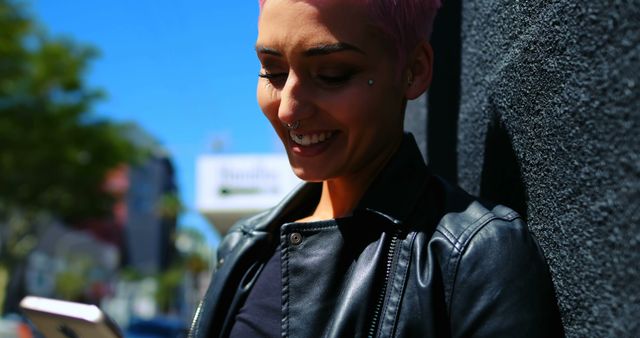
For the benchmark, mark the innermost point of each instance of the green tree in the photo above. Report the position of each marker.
(54, 153)
(193, 259)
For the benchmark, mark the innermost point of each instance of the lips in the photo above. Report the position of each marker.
(311, 144)
(309, 139)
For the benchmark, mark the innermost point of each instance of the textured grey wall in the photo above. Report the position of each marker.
(415, 121)
(559, 85)
(547, 120)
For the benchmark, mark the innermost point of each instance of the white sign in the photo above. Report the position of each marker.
(241, 184)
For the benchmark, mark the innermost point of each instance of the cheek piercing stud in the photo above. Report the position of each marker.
(370, 82)
(293, 126)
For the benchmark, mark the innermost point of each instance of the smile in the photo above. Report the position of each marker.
(309, 139)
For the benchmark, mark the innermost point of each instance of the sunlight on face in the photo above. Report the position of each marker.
(317, 60)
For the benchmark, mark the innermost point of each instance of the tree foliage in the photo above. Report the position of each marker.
(54, 154)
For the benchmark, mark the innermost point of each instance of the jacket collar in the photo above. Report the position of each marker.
(397, 188)
(393, 194)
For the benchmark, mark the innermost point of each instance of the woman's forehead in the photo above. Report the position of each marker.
(320, 2)
(325, 11)
(313, 22)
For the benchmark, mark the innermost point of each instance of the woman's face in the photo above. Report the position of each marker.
(317, 63)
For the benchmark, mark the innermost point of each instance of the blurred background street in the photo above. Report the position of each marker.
(130, 140)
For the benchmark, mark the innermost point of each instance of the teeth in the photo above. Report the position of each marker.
(309, 139)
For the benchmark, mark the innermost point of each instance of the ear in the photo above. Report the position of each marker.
(419, 71)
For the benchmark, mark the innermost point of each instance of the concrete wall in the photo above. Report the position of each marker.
(536, 105)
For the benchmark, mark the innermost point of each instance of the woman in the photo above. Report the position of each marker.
(373, 244)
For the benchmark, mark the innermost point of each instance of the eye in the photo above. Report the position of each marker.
(275, 79)
(334, 80)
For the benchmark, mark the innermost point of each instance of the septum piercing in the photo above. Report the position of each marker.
(293, 126)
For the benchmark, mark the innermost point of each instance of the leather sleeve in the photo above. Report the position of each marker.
(502, 286)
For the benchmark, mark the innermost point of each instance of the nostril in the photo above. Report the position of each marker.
(293, 126)
(296, 102)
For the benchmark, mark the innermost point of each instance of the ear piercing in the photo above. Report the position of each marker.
(370, 82)
(293, 126)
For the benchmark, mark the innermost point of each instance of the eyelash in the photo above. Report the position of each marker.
(330, 81)
(271, 76)
(274, 79)
(335, 80)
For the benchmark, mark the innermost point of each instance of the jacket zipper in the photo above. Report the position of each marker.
(196, 319)
(378, 307)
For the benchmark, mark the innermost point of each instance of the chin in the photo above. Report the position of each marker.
(308, 175)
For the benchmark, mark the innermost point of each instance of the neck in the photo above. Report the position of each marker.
(340, 196)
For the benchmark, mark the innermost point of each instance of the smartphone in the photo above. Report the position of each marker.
(61, 319)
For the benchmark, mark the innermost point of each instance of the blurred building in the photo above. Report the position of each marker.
(82, 262)
(72, 264)
(149, 225)
(230, 187)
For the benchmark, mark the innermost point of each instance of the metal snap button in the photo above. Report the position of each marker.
(295, 238)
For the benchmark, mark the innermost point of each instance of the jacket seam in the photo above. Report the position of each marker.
(454, 258)
(285, 291)
(447, 234)
(464, 238)
(302, 229)
(460, 253)
(402, 284)
(457, 250)
(456, 240)
(390, 291)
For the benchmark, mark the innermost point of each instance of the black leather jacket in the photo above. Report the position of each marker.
(418, 258)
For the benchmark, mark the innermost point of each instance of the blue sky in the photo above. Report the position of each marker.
(185, 71)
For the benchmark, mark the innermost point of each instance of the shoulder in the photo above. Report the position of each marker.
(480, 223)
(263, 226)
(488, 247)
(479, 242)
(242, 231)
(493, 267)
(464, 219)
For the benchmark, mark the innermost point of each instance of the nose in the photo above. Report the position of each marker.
(295, 100)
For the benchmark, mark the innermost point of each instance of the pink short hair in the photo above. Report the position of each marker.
(405, 22)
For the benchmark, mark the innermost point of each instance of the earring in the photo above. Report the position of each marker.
(293, 126)
(370, 82)
(410, 78)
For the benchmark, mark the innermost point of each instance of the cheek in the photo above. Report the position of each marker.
(360, 110)
(268, 102)
(349, 108)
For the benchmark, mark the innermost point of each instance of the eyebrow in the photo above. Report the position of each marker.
(324, 49)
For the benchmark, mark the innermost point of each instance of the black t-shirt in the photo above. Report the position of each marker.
(260, 316)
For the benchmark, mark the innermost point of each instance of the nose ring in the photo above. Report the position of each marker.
(293, 126)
